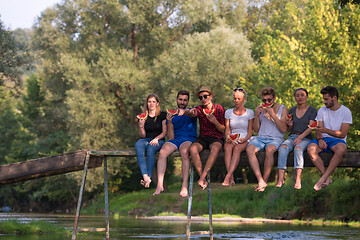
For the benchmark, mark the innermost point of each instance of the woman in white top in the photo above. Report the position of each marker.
(238, 120)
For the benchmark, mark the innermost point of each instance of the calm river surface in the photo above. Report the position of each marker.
(131, 228)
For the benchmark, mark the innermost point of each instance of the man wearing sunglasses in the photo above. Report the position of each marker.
(270, 124)
(334, 123)
(212, 127)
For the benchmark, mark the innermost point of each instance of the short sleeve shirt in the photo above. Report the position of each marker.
(333, 119)
(239, 124)
(301, 124)
(153, 127)
(208, 129)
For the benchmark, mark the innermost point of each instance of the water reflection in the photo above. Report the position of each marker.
(130, 228)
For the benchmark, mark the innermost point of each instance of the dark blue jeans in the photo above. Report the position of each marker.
(141, 147)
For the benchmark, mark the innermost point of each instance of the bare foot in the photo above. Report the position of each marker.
(232, 183)
(202, 184)
(184, 192)
(226, 181)
(280, 183)
(146, 184)
(327, 182)
(261, 187)
(297, 185)
(158, 190)
(318, 186)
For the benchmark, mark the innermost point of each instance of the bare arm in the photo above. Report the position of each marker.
(258, 111)
(250, 130)
(280, 123)
(304, 134)
(188, 112)
(220, 127)
(142, 131)
(170, 127)
(344, 129)
(227, 129)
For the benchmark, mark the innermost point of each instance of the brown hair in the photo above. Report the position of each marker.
(268, 91)
(153, 95)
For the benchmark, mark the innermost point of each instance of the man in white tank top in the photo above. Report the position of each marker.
(270, 124)
(334, 121)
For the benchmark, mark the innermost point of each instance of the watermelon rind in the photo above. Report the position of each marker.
(172, 112)
(263, 105)
(313, 125)
(290, 117)
(212, 111)
(143, 116)
(234, 137)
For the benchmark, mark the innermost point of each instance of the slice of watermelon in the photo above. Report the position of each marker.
(172, 112)
(234, 137)
(208, 111)
(290, 117)
(313, 125)
(264, 105)
(143, 116)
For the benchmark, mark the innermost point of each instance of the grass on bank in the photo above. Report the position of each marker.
(340, 201)
(33, 227)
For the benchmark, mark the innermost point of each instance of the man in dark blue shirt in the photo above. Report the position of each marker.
(181, 130)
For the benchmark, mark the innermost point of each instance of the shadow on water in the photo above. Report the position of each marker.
(131, 228)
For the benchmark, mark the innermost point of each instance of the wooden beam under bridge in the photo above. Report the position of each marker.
(69, 162)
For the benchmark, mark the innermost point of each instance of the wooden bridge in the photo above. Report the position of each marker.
(75, 161)
(85, 159)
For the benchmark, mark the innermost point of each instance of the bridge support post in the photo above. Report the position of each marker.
(188, 232)
(86, 166)
(106, 200)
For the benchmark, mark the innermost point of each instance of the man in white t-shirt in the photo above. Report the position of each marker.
(334, 122)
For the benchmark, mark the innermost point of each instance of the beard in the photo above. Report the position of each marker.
(331, 104)
(181, 106)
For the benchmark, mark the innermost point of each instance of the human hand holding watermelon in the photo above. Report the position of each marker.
(313, 125)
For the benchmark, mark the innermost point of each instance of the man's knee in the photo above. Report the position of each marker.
(339, 148)
(184, 152)
(194, 148)
(312, 148)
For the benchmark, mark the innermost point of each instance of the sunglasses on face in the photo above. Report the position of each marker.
(238, 89)
(203, 96)
(267, 100)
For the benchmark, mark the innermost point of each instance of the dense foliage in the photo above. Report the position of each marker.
(97, 60)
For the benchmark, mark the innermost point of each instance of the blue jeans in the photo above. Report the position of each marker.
(142, 146)
(298, 153)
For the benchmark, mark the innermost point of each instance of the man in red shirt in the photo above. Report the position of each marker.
(212, 127)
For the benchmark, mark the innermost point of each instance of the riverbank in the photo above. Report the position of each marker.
(340, 202)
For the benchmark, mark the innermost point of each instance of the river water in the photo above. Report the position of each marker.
(134, 229)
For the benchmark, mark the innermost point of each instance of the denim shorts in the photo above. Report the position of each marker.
(330, 143)
(180, 140)
(263, 142)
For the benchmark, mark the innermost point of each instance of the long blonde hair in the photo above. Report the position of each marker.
(158, 110)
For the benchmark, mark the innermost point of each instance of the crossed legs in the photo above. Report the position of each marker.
(314, 150)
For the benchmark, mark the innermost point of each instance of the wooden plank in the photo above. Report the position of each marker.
(351, 158)
(46, 166)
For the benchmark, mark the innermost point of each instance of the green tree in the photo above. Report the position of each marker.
(14, 58)
(310, 45)
(217, 58)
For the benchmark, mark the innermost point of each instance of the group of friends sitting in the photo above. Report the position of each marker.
(270, 121)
